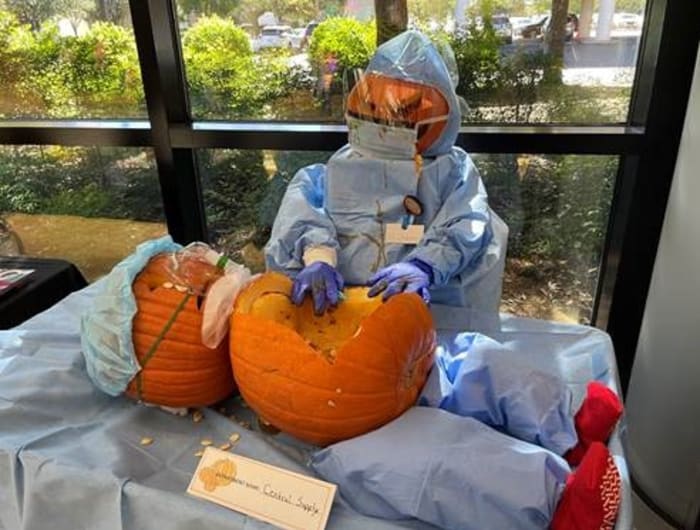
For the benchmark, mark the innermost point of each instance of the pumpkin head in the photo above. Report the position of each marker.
(381, 99)
(327, 378)
(177, 369)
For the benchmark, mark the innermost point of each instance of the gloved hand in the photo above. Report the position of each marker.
(323, 281)
(413, 276)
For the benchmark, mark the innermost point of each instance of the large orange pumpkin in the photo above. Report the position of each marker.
(328, 378)
(177, 369)
(382, 99)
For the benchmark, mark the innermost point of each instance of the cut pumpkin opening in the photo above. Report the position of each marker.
(326, 333)
(331, 377)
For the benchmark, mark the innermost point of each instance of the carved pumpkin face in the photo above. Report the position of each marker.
(381, 99)
(328, 378)
(177, 369)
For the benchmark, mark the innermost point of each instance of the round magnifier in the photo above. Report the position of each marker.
(412, 205)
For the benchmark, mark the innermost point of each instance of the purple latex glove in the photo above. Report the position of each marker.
(324, 283)
(413, 276)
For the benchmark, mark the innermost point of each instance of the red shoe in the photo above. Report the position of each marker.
(591, 498)
(595, 420)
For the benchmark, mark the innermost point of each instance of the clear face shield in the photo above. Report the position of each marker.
(392, 118)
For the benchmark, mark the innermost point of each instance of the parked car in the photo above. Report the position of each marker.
(310, 28)
(534, 30)
(296, 37)
(503, 28)
(627, 20)
(540, 28)
(273, 37)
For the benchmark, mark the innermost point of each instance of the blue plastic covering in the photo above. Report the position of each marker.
(444, 469)
(70, 455)
(106, 327)
(476, 377)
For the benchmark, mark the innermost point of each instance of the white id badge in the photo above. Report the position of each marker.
(410, 235)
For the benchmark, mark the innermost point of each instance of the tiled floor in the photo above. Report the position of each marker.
(645, 518)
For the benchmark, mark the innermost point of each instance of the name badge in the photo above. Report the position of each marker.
(410, 235)
(271, 494)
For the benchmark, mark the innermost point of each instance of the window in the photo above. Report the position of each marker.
(244, 62)
(89, 205)
(577, 105)
(68, 60)
(556, 207)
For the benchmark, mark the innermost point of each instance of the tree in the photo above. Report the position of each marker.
(76, 11)
(114, 11)
(426, 10)
(32, 12)
(207, 8)
(554, 43)
(392, 18)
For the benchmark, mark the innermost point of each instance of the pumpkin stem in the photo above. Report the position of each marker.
(152, 350)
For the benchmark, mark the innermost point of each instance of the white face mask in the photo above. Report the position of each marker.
(385, 141)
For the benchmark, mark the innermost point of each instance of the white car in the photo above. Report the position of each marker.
(273, 37)
(296, 37)
(627, 20)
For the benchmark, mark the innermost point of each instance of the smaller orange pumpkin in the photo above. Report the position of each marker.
(333, 377)
(382, 99)
(177, 369)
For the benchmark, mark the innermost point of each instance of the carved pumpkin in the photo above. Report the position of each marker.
(328, 378)
(378, 98)
(177, 369)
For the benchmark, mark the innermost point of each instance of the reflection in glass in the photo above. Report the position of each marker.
(89, 205)
(556, 207)
(519, 62)
(69, 60)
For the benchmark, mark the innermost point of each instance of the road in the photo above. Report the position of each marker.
(591, 63)
(618, 52)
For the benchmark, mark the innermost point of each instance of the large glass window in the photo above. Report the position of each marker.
(556, 208)
(72, 59)
(89, 205)
(518, 61)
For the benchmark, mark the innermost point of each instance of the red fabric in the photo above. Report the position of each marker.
(591, 498)
(595, 420)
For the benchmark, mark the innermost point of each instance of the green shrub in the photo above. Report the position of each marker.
(220, 69)
(226, 81)
(102, 71)
(350, 41)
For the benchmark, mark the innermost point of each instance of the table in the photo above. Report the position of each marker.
(50, 282)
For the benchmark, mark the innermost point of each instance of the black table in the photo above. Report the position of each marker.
(51, 281)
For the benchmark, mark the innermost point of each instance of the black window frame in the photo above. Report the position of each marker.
(647, 145)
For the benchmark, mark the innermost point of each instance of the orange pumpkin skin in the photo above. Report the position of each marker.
(181, 371)
(377, 97)
(319, 393)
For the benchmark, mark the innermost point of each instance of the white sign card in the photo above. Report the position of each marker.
(286, 499)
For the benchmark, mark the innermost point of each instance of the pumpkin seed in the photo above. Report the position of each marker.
(206, 442)
(234, 437)
(244, 424)
(331, 403)
(146, 440)
(168, 285)
(267, 427)
(225, 447)
(198, 453)
(181, 288)
(197, 416)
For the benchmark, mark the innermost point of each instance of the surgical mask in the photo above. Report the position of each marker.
(386, 141)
